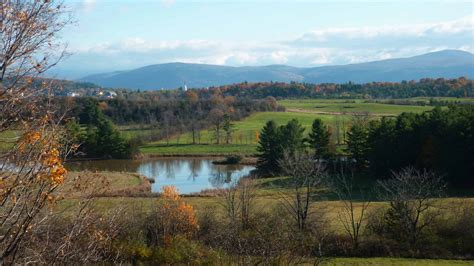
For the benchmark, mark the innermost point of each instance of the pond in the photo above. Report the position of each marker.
(189, 175)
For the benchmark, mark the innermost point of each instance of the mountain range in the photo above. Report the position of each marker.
(445, 64)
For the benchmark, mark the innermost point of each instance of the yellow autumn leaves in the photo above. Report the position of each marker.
(55, 172)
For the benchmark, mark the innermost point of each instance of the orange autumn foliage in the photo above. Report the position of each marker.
(257, 136)
(177, 216)
(54, 170)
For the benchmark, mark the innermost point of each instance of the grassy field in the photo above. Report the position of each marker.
(105, 184)
(350, 106)
(393, 261)
(245, 131)
(7, 139)
(131, 191)
(244, 136)
(269, 192)
(448, 99)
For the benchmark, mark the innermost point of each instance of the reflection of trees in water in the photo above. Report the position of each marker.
(195, 167)
(162, 169)
(170, 167)
(224, 175)
(220, 178)
(193, 170)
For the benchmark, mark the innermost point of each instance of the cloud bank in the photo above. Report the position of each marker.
(313, 48)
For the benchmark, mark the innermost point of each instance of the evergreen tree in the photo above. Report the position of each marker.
(319, 139)
(102, 139)
(292, 139)
(269, 149)
(109, 142)
(91, 112)
(357, 145)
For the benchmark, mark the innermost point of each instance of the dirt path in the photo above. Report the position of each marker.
(306, 111)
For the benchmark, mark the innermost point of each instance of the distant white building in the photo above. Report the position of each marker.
(73, 94)
(110, 94)
(185, 88)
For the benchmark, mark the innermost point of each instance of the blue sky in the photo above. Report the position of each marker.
(111, 35)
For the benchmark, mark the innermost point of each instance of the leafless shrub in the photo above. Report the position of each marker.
(351, 216)
(78, 233)
(306, 178)
(412, 195)
(455, 229)
(238, 202)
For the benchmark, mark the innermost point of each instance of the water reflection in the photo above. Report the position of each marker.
(187, 174)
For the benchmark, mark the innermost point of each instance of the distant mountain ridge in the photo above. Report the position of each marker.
(442, 64)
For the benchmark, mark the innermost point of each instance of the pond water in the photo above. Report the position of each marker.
(189, 175)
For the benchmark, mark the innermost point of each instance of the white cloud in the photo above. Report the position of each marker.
(88, 5)
(459, 26)
(279, 57)
(168, 2)
(320, 47)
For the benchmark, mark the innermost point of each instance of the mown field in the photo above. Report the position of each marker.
(244, 138)
(350, 106)
(245, 133)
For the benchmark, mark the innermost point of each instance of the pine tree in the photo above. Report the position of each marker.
(269, 149)
(103, 140)
(319, 139)
(357, 145)
(292, 139)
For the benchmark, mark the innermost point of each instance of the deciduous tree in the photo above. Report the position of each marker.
(32, 168)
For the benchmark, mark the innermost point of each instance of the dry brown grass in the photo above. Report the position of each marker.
(105, 184)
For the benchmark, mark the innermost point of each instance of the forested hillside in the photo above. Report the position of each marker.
(460, 87)
(447, 64)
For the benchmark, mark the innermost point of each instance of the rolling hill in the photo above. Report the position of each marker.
(446, 64)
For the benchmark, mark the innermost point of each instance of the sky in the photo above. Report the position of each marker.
(113, 35)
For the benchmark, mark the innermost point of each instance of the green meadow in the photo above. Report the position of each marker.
(351, 106)
(245, 134)
(244, 137)
(8, 138)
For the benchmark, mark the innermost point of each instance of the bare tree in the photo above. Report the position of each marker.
(231, 203)
(306, 177)
(247, 195)
(167, 119)
(32, 168)
(362, 118)
(194, 130)
(351, 217)
(77, 233)
(239, 200)
(337, 124)
(216, 116)
(412, 195)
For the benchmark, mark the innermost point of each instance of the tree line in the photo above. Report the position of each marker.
(427, 87)
(441, 140)
(171, 114)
